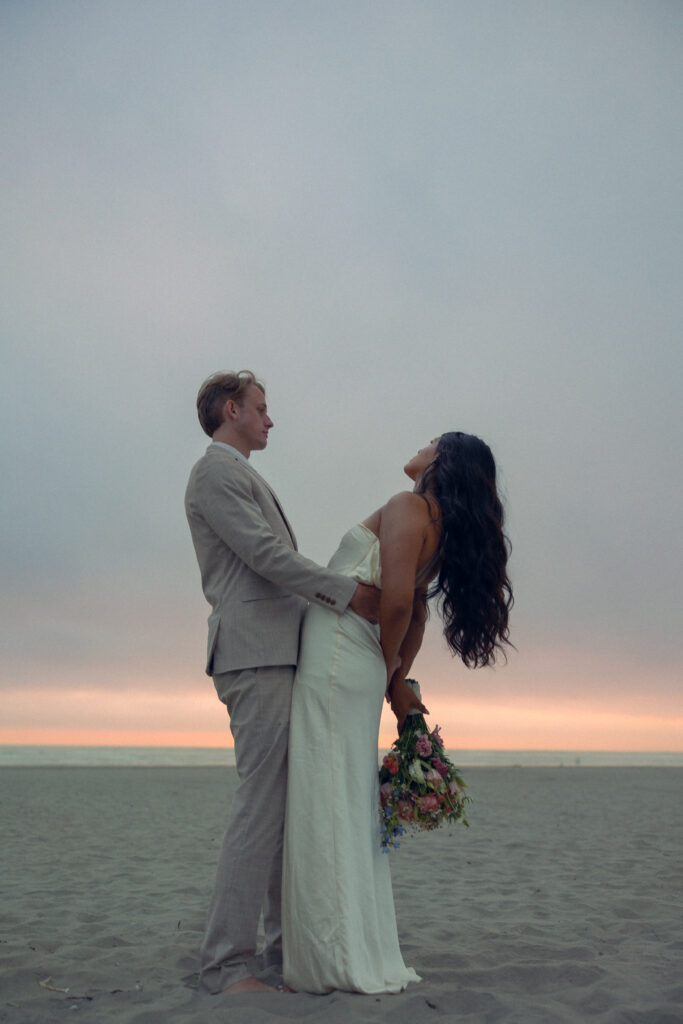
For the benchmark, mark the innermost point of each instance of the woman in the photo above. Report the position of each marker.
(339, 926)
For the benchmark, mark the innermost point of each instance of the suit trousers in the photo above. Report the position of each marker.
(249, 875)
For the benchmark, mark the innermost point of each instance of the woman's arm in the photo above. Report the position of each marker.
(400, 695)
(401, 539)
(412, 642)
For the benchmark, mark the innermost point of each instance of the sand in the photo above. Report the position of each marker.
(562, 902)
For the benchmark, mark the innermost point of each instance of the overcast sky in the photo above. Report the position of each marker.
(406, 217)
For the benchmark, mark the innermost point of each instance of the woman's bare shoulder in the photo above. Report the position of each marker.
(399, 506)
(408, 505)
(409, 500)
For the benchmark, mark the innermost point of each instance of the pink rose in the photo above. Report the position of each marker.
(423, 747)
(405, 810)
(390, 762)
(385, 791)
(440, 767)
(430, 802)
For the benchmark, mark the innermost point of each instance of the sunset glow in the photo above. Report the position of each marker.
(189, 719)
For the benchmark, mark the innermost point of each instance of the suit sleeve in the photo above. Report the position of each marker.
(229, 507)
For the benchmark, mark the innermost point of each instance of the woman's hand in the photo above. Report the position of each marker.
(403, 700)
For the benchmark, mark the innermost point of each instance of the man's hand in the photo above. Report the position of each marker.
(403, 699)
(365, 602)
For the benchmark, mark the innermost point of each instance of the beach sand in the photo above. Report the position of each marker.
(561, 903)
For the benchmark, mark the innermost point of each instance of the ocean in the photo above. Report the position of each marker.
(198, 757)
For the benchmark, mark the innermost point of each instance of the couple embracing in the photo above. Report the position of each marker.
(303, 657)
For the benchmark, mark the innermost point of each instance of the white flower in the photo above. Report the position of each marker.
(435, 781)
(415, 771)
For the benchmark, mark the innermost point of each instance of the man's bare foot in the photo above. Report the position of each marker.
(247, 985)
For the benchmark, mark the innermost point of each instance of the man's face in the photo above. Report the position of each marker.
(252, 421)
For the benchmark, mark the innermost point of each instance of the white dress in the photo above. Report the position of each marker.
(338, 920)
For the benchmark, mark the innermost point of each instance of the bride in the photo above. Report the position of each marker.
(338, 920)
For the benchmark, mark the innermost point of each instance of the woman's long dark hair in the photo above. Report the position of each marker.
(475, 595)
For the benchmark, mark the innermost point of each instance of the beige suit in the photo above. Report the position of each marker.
(258, 587)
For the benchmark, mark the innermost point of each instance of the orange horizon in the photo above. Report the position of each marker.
(518, 713)
(578, 739)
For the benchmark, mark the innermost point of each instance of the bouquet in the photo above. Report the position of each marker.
(419, 787)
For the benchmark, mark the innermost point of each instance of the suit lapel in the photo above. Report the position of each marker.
(277, 503)
(250, 469)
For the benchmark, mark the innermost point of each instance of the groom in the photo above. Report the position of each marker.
(258, 587)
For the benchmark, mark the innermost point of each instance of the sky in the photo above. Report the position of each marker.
(406, 218)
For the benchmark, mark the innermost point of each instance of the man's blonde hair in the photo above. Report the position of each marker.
(215, 392)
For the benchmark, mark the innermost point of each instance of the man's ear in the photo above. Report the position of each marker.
(231, 409)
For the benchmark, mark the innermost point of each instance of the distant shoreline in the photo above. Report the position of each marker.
(206, 757)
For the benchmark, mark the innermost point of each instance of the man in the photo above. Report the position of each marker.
(258, 587)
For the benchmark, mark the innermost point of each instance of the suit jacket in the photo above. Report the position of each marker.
(254, 579)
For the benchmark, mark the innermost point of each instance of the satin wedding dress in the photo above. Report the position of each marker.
(338, 920)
